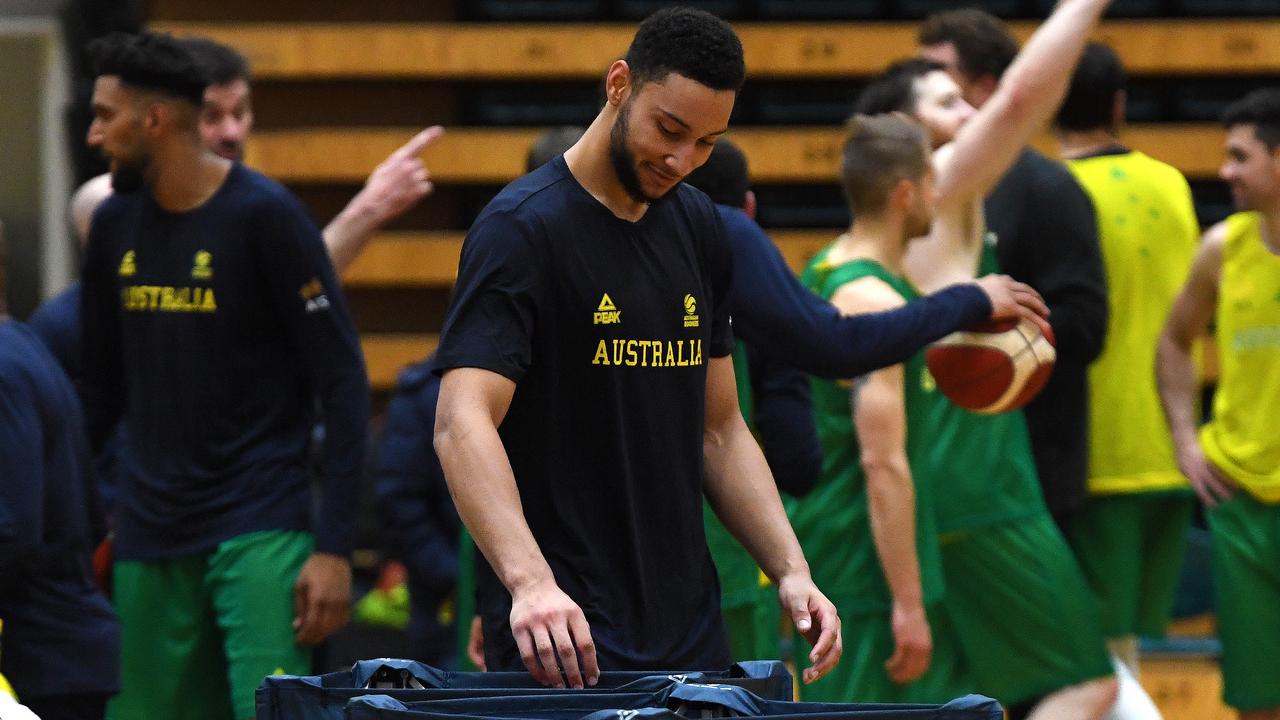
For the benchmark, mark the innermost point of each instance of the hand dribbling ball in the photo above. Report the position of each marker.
(993, 367)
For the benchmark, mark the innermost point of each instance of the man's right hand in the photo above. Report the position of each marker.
(912, 645)
(1210, 484)
(1013, 300)
(552, 633)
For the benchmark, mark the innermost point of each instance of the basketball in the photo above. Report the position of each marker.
(993, 367)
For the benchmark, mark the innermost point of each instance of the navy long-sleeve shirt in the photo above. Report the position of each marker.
(57, 323)
(782, 414)
(214, 332)
(60, 635)
(774, 312)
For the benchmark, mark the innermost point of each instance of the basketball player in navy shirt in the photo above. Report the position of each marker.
(212, 323)
(588, 388)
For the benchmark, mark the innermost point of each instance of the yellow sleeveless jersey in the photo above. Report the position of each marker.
(1242, 438)
(1149, 234)
(5, 687)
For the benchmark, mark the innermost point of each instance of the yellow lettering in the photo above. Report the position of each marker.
(602, 355)
(618, 346)
(671, 358)
(631, 353)
(697, 358)
(209, 304)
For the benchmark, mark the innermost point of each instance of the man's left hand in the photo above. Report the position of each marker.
(816, 619)
(321, 598)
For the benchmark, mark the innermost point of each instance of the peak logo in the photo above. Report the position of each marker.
(606, 312)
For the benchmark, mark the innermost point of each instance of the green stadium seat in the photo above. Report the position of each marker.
(1119, 8)
(536, 104)
(640, 9)
(915, 9)
(1225, 8)
(536, 10)
(820, 9)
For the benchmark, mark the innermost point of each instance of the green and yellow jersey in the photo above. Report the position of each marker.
(1242, 439)
(833, 521)
(1148, 232)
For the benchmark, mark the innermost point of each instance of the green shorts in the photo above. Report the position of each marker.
(1130, 548)
(755, 629)
(200, 632)
(860, 675)
(1246, 574)
(1025, 620)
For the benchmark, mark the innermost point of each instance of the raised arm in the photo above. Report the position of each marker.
(1176, 372)
(395, 186)
(742, 493)
(1028, 95)
(880, 420)
(544, 620)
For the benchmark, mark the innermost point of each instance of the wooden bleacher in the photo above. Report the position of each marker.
(496, 155)
(300, 148)
(303, 51)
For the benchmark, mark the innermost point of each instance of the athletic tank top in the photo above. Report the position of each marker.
(1148, 232)
(833, 522)
(984, 472)
(1242, 439)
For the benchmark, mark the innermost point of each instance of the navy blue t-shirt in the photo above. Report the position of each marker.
(60, 635)
(606, 327)
(214, 332)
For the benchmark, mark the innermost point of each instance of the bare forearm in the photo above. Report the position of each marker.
(892, 504)
(742, 493)
(1029, 94)
(346, 235)
(1176, 377)
(483, 487)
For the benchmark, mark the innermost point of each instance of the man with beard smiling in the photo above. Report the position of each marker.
(212, 321)
(591, 323)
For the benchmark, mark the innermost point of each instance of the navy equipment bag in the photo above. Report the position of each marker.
(322, 697)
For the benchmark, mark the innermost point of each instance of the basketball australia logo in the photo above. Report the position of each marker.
(202, 265)
(690, 312)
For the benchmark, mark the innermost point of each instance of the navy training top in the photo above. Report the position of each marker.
(606, 327)
(772, 311)
(413, 498)
(60, 635)
(57, 323)
(214, 332)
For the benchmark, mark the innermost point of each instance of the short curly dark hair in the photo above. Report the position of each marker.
(984, 45)
(689, 42)
(1090, 101)
(1260, 108)
(151, 61)
(894, 90)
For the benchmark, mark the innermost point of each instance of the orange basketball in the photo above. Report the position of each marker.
(992, 367)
